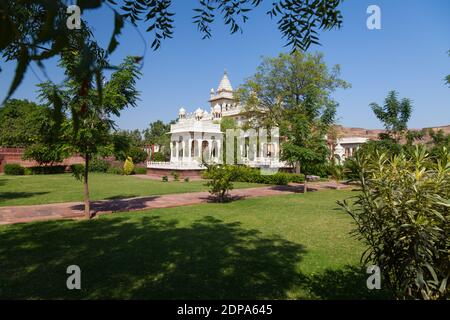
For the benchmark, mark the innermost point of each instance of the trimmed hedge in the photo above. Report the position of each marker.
(14, 169)
(252, 175)
(47, 170)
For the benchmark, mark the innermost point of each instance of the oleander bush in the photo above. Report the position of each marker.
(14, 169)
(403, 215)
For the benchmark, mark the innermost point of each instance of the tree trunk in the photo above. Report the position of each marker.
(297, 167)
(305, 184)
(87, 204)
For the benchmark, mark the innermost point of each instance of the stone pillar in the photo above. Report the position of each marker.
(219, 147)
(171, 151)
(189, 149)
(177, 149)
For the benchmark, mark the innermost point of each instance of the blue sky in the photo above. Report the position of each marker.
(408, 54)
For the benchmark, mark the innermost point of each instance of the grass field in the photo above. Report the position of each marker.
(40, 189)
(282, 247)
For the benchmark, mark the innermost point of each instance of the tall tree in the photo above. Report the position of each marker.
(89, 126)
(394, 114)
(37, 30)
(157, 134)
(293, 92)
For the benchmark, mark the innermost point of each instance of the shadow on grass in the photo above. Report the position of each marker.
(122, 196)
(117, 204)
(15, 195)
(346, 283)
(148, 257)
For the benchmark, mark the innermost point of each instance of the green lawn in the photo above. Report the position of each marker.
(282, 247)
(40, 189)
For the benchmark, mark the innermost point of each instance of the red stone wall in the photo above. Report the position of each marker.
(14, 155)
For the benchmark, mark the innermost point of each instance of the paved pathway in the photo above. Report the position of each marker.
(74, 210)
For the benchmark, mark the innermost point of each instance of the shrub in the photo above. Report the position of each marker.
(140, 170)
(14, 169)
(220, 183)
(175, 175)
(48, 169)
(137, 154)
(186, 179)
(252, 175)
(403, 216)
(128, 166)
(115, 170)
(165, 179)
(99, 165)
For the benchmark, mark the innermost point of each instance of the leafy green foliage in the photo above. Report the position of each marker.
(175, 175)
(293, 92)
(158, 156)
(14, 169)
(140, 170)
(156, 134)
(394, 114)
(98, 165)
(403, 216)
(220, 181)
(165, 179)
(36, 30)
(21, 122)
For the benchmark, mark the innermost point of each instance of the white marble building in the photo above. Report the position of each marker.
(346, 147)
(197, 135)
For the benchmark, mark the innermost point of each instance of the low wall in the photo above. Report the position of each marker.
(14, 155)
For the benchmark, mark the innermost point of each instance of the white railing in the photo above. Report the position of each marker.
(174, 165)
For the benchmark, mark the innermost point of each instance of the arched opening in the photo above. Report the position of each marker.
(194, 148)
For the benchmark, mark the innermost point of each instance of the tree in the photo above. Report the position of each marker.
(394, 114)
(293, 92)
(89, 126)
(128, 144)
(37, 30)
(157, 134)
(21, 122)
(221, 177)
